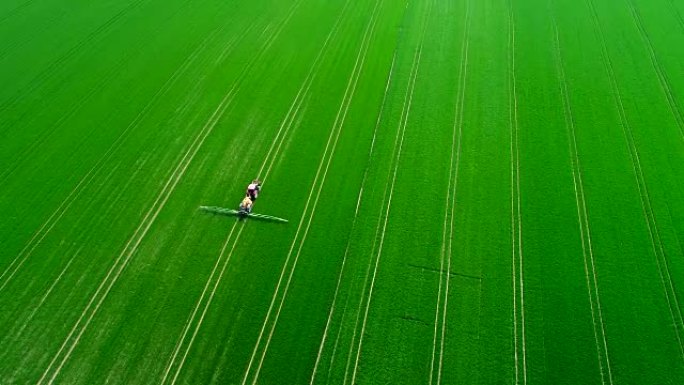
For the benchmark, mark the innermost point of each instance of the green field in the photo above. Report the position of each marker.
(478, 192)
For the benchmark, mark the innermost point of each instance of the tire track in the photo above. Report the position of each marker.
(42, 301)
(131, 246)
(112, 199)
(356, 213)
(321, 173)
(13, 164)
(677, 13)
(21, 40)
(398, 147)
(519, 338)
(267, 164)
(180, 341)
(649, 216)
(73, 110)
(450, 204)
(598, 323)
(46, 134)
(16, 10)
(60, 61)
(662, 77)
(94, 172)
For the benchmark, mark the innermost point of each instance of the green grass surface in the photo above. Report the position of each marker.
(478, 192)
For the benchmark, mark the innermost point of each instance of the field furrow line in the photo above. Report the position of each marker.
(447, 213)
(680, 19)
(46, 134)
(399, 142)
(90, 176)
(368, 267)
(519, 338)
(649, 216)
(331, 311)
(216, 281)
(450, 204)
(132, 245)
(26, 155)
(16, 10)
(662, 77)
(321, 173)
(598, 325)
(270, 158)
(195, 311)
(75, 108)
(42, 300)
(57, 63)
(122, 260)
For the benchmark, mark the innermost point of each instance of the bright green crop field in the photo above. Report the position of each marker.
(478, 192)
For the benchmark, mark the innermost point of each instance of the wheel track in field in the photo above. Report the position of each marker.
(269, 161)
(73, 110)
(113, 198)
(371, 265)
(356, 212)
(321, 173)
(598, 324)
(518, 277)
(92, 174)
(677, 14)
(649, 216)
(38, 306)
(51, 68)
(331, 311)
(16, 10)
(662, 76)
(12, 45)
(346, 304)
(9, 333)
(131, 246)
(449, 213)
(47, 133)
(387, 203)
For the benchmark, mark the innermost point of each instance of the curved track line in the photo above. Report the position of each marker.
(649, 215)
